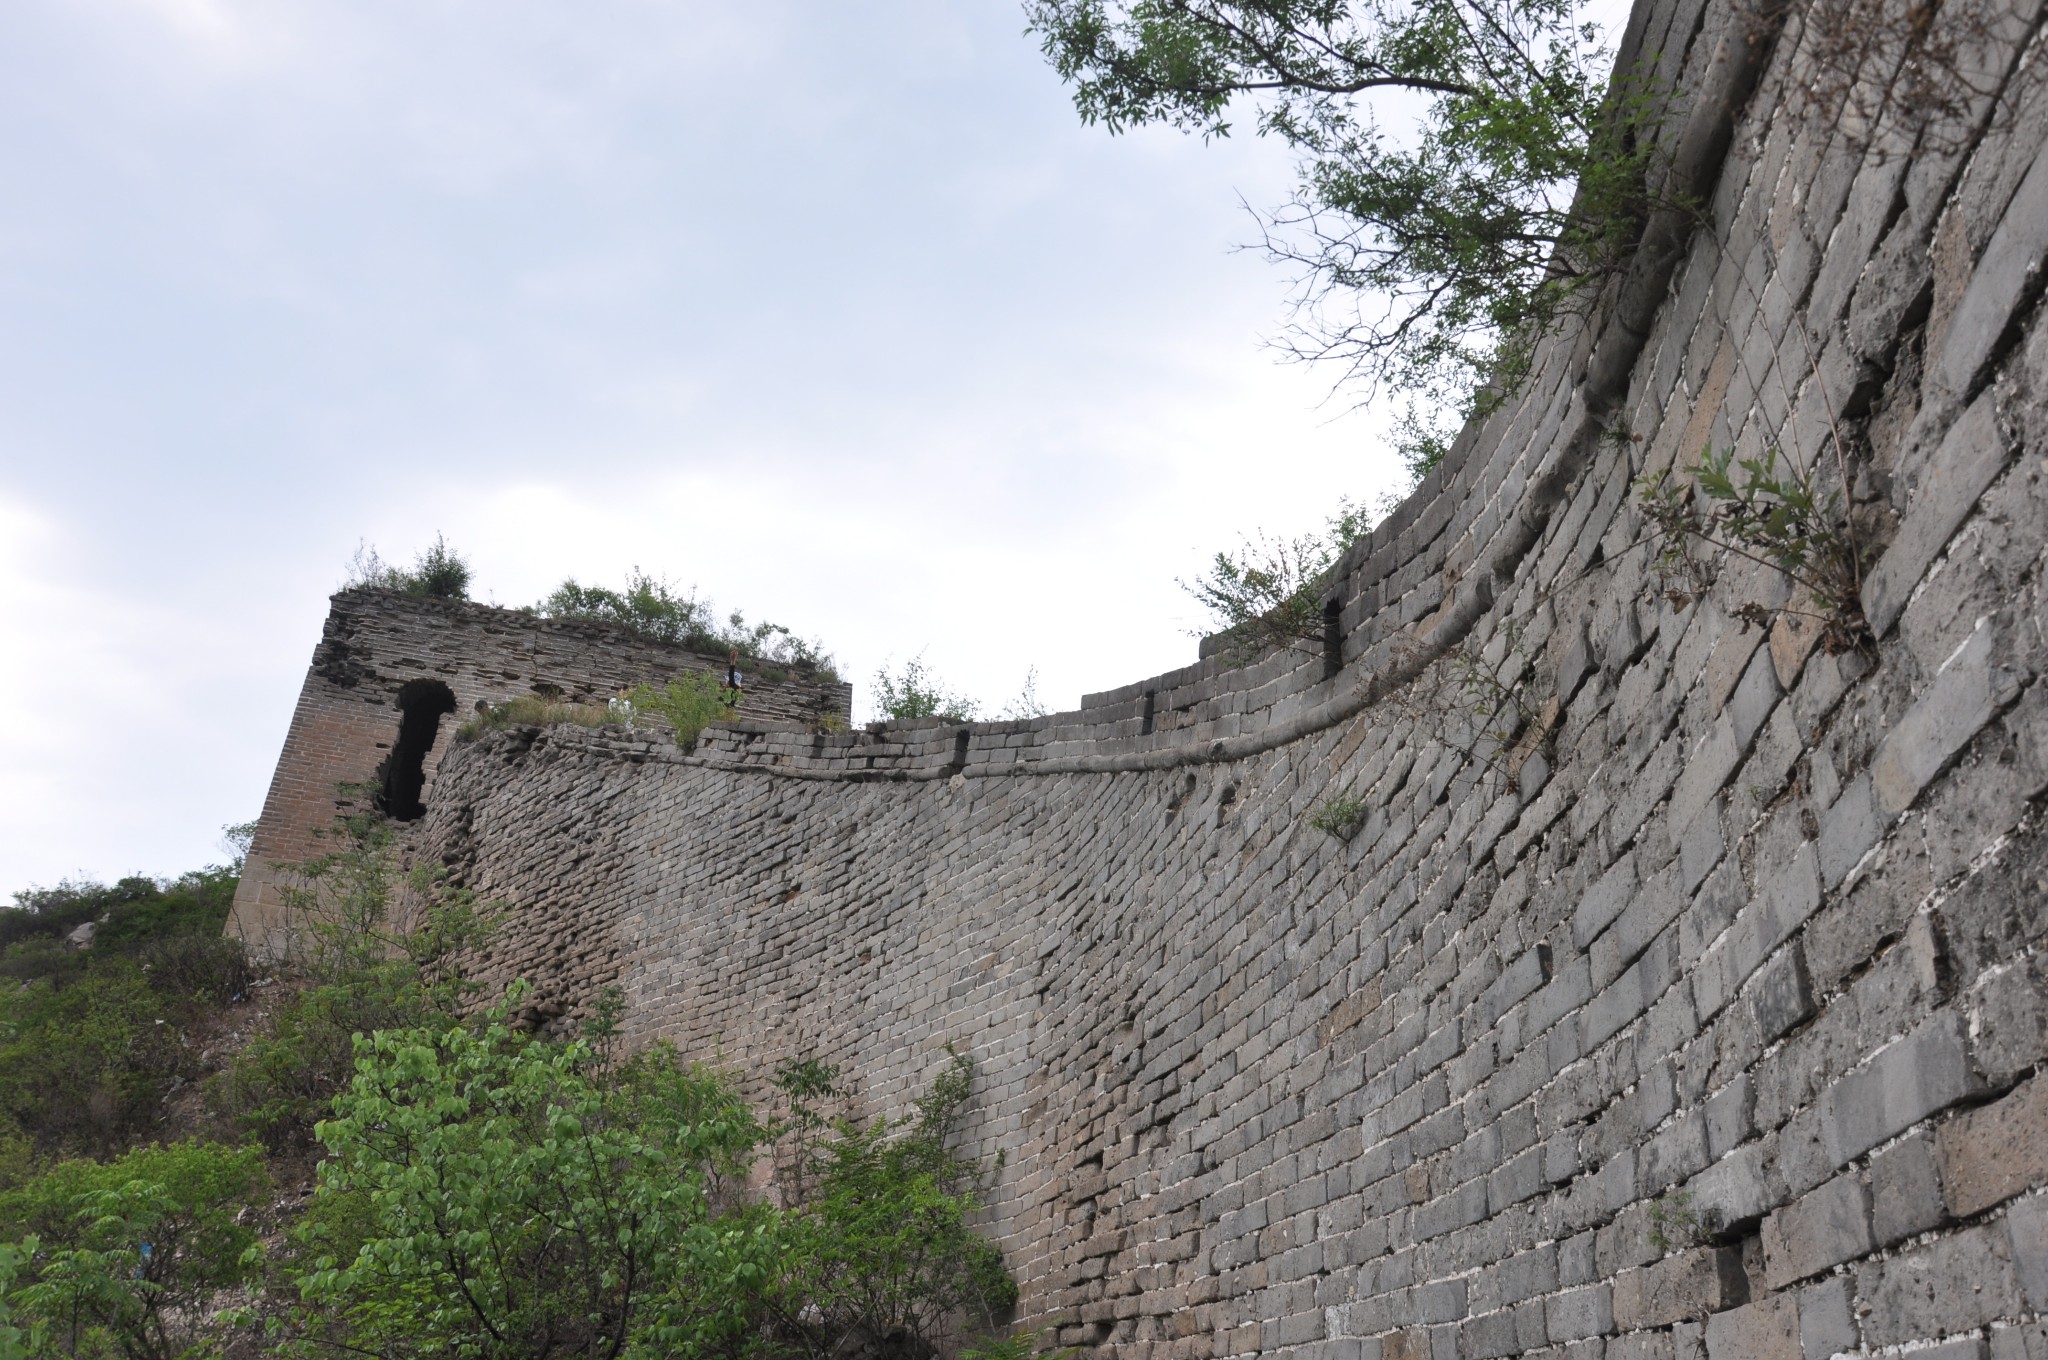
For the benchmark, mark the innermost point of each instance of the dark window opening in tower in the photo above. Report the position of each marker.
(421, 705)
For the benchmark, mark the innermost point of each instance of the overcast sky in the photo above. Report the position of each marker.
(832, 310)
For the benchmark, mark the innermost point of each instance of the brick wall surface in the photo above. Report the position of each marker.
(375, 641)
(1711, 1027)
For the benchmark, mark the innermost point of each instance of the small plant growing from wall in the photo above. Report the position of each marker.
(1674, 1223)
(1340, 817)
(1766, 510)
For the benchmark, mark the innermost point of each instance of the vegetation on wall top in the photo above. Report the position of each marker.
(656, 609)
(438, 572)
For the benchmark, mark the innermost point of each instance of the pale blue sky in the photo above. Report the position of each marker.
(833, 310)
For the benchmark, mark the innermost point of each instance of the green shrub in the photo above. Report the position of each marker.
(881, 1247)
(1340, 817)
(916, 692)
(136, 916)
(364, 973)
(133, 1252)
(283, 1082)
(84, 1066)
(498, 1195)
(688, 703)
(13, 1256)
(513, 1199)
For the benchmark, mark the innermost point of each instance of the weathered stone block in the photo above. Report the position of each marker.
(1587, 1311)
(1965, 464)
(1781, 997)
(2003, 273)
(1905, 1191)
(1765, 1330)
(2026, 1230)
(1948, 1286)
(1926, 1071)
(1827, 1324)
(1822, 1228)
(1939, 724)
(1848, 829)
(1994, 1153)
(1684, 1285)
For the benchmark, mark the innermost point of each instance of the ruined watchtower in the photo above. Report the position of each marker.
(392, 676)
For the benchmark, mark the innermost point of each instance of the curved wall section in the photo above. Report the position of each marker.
(1709, 1025)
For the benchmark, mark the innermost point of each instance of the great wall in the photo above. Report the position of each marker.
(1711, 1024)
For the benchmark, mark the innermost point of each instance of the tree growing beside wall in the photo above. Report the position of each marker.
(1465, 170)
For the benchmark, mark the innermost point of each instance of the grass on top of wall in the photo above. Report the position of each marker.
(531, 710)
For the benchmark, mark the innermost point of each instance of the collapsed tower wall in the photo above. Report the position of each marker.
(395, 674)
(1712, 1023)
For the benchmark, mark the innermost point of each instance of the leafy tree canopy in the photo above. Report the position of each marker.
(1463, 169)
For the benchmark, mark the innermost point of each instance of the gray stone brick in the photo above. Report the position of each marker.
(1924, 1072)
(1822, 1228)
(2026, 1229)
(1993, 1153)
(1489, 1337)
(2028, 1341)
(1441, 1301)
(1701, 845)
(1604, 901)
(1754, 697)
(1961, 1348)
(1527, 1274)
(1848, 829)
(1782, 904)
(1707, 767)
(1781, 997)
(1731, 1117)
(1827, 1324)
(1968, 460)
(2008, 1020)
(2003, 273)
(1905, 1192)
(1939, 724)
(1733, 1190)
(1765, 1330)
(1948, 1286)
(1683, 1285)
(1583, 1312)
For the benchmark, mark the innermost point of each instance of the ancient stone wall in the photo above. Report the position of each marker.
(1712, 1024)
(378, 642)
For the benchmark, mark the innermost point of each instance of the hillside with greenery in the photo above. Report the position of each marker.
(358, 1153)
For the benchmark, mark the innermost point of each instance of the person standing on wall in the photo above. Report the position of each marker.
(735, 683)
